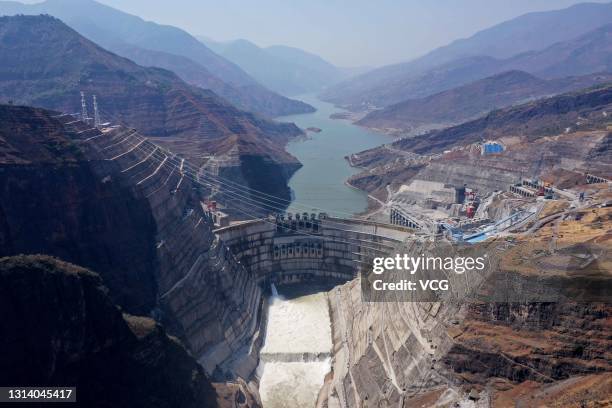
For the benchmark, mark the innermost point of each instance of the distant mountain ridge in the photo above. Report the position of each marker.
(523, 43)
(471, 100)
(581, 110)
(46, 63)
(121, 32)
(286, 70)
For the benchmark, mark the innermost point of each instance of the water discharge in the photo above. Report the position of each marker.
(296, 354)
(321, 182)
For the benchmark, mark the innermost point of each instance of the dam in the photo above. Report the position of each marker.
(312, 247)
(213, 285)
(306, 255)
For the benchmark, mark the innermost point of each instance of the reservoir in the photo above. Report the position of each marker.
(320, 183)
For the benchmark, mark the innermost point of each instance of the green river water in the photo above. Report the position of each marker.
(320, 184)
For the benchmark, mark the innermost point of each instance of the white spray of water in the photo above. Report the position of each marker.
(294, 385)
(295, 326)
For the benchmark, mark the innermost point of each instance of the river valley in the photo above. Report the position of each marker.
(296, 353)
(320, 183)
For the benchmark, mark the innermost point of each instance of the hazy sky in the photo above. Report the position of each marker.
(345, 32)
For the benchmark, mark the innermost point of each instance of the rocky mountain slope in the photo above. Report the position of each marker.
(469, 101)
(47, 63)
(581, 110)
(287, 70)
(163, 46)
(125, 208)
(527, 43)
(565, 134)
(60, 327)
(458, 352)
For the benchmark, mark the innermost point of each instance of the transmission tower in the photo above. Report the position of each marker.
(84, 115)
(96, 114)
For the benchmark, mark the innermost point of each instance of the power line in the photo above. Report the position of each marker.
(262, 196)
(271, 198)
(345, 240)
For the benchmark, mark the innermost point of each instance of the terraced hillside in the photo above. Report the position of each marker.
(460, 352)
(124, 208)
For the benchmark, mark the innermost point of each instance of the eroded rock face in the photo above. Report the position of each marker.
(59, 327)
(54, 202)
(541, 342)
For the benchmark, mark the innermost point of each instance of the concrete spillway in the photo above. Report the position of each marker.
(296, 354)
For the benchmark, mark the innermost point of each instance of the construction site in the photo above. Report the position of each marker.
(462, 214)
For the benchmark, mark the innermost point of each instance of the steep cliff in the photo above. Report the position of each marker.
(124, 207)
(59, 327)
(101, 225)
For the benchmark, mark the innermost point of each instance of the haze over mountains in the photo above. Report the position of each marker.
(286, 70)
(46, 63)
(571, 41)
(164, 46)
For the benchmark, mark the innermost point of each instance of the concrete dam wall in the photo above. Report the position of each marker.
(283, 251)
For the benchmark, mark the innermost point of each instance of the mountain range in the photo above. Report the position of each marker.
(46, 63)
(553, 44)
(469, 101)
(286, 70)
(559, 137)
(164, 46)
(570, 112)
